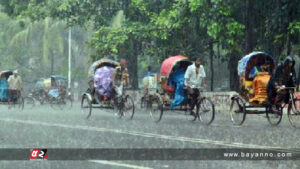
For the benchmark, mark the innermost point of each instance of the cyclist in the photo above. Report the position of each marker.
(149, 81)
(54, 90)
(284, 75)
(120, 78)
(195, 79)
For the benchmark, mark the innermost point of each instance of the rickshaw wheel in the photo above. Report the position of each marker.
(56, 104)
(86, 105)
(129, 108)
(206, 111)
(237, 110)
(154, 108)
(294, 113)
(274, 118)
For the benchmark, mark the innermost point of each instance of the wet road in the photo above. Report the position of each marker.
(45, 127)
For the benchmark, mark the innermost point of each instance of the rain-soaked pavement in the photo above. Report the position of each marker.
(44, 127)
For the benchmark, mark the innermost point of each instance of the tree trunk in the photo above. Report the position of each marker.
(232, 66)
(135, 82)
(298, 79)
(249, 26)
(211, 53)
(52, 63)
(278, 50)
(291, 13)
(132, 63)
(289, 45)
(279, 46)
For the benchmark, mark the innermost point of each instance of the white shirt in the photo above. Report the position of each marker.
(15, 83)
(195, 81)
(150, 82)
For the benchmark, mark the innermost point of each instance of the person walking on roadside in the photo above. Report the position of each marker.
(15, 86)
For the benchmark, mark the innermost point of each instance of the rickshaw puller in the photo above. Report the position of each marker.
(194, 78)
(149, 82)
(120, 78)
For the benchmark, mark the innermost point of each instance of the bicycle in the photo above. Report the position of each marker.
(205, 108)
(293, 106)
(156, 104)
(125, 105)
(33, 97)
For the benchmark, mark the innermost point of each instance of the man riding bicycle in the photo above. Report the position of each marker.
(149, 82)
(194, 78)
(284, 75)
(120, 78)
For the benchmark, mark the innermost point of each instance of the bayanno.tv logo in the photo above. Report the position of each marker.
(38, 154)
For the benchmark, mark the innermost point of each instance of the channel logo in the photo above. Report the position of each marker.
(38, 154)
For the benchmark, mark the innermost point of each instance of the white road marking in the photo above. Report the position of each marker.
(118, 164)
(143, 134)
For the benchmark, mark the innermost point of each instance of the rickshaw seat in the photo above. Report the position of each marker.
(166, 88)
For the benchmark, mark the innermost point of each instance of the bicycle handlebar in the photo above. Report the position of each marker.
(285, 88)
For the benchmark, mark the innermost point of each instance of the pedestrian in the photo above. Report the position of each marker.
(15, 86)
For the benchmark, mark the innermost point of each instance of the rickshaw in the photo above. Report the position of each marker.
(161, 99)
(101, 94)
(252, 97)
(17, 100)
(51, 90)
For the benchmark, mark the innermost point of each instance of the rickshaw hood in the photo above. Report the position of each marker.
(168, 64)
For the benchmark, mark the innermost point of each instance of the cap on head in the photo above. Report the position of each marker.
(15, 71)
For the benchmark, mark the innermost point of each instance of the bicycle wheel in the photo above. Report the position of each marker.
(294, 113)
(154, 108)
(128, 108)
(237, 110)
(86, 106)
(206, 110)
(29, 102)
(274, 117)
